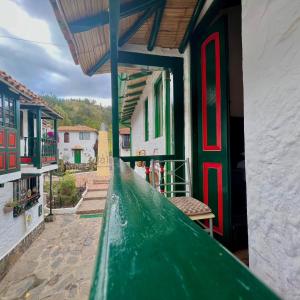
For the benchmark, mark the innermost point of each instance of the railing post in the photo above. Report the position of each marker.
(162, 176)
(56, 139)
(132, 164)
(50, 194)
(25, 146)
(38, 138)
(114, 16)
(147, 169)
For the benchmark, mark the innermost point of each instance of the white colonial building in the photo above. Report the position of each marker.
(28, 150)
(77, 144)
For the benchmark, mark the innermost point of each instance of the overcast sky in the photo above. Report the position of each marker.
(46, 67)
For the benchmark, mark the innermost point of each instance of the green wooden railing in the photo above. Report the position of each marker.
(149, 249)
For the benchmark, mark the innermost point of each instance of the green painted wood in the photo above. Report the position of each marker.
(146, 120)
(215, 156)
(38, 146)
(156, 26)
(134, 94)
(158, 109)
(137, 85)
(149, 249)
(77, 156)
(114, 13)
(191, 25)
(139, 75)
(56, 137)
(31, 134)
(18, 125)
(102, 18)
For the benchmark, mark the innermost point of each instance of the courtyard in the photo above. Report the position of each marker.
(59, 264)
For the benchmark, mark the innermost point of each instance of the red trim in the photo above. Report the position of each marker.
(2, 138)
(218, 146)
(12, 160)
(218, 166)
(12, 140)
(2, 161)
(26, 160)
(147, 170)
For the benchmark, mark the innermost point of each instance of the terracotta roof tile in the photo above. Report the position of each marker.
(27, 97)
(81, 128)
(124, 130)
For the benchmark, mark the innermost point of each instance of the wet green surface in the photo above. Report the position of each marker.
(150, 250)
(91, 216)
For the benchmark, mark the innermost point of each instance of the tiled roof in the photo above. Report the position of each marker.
(124, 130)
(81, 128)
(27, 96)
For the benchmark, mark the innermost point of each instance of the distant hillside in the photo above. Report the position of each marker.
(80, 111)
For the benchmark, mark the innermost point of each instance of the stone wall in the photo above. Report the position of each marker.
(271, 68)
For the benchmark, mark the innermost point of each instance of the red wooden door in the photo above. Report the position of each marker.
(213, 127)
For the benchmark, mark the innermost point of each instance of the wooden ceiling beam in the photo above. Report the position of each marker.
(191, 26)
(122, 40)
(156, 26)
(102, 18)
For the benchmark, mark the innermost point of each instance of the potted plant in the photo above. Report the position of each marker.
(9, 206)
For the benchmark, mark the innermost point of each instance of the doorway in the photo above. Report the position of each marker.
(218, 124)
(77, 156)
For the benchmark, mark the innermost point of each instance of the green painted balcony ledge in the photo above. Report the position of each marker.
(148, 249)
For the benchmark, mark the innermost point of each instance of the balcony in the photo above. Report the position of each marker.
(43, 155)
(38, 142)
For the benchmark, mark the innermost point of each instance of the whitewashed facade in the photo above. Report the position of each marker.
(28, 151)
(80, 139)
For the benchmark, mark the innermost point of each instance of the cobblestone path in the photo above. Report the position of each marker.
(58, 265)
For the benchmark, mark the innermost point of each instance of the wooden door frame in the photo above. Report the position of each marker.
(207, 23)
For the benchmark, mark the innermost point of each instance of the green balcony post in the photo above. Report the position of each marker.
(38, 138)
(114, 16)
(56, 139)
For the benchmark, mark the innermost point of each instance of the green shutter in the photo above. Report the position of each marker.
(146, 121)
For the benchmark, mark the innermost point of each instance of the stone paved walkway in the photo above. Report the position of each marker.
(58, 265)
(95, 199)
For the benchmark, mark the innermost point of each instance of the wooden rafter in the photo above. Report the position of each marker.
(156, 26)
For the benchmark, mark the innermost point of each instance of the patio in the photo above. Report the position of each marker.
(59, 264)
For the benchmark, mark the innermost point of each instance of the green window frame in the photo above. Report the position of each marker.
(158, 100)
(8, 111)
(146, 111)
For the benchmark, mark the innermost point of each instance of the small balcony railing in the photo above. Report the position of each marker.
(38, 155)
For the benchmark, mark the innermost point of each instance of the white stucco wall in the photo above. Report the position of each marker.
(271, 71)
(153, 146)
(65, 149)
(13, 230)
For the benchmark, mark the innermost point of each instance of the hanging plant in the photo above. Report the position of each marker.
(9, 206)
